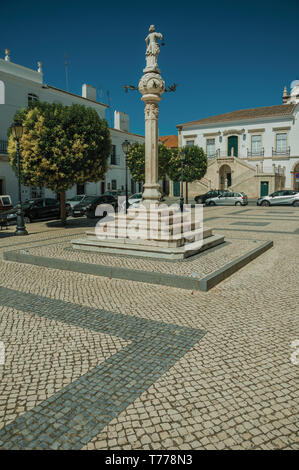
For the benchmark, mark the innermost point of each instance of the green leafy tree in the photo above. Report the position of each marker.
(195, 164)
(61, 146)
(136, 161)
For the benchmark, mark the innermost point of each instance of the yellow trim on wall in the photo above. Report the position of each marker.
(254, 131)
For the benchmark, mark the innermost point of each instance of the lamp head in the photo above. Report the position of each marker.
(125, 146)
(17, 130)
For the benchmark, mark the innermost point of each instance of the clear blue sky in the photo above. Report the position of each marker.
(225, 55)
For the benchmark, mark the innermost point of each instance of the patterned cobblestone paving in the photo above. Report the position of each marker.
(72, 416)
(235, 388)
(202, 264)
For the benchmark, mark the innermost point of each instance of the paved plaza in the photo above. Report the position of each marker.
(93, 362)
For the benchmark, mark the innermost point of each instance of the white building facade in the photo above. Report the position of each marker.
(252, 150)
(18, 86)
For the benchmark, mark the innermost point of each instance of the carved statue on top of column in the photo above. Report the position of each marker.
(152, 50)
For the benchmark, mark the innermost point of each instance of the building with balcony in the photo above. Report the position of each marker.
(251, 150)
(20, 85)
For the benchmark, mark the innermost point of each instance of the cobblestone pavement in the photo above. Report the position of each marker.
(199, 265)
(100, 363)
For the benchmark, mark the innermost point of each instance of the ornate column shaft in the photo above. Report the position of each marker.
(151, 186)
(151, 86)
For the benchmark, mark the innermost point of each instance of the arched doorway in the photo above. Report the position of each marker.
(296, 177)
(225, 177)
(232, 144)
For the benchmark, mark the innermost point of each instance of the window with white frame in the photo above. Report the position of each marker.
(281, 143)
(32, 97)
(189, 142)
(113, 155)
(211, 149)
(256, 144)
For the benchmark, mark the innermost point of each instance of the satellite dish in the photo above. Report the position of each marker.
(294, 83)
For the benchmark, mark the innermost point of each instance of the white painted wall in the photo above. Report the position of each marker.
(16, 82)
(196, 133)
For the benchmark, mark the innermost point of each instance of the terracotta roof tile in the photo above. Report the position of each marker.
(244, 114)
(170, 141)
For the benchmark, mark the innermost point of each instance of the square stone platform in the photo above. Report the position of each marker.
(159, 232)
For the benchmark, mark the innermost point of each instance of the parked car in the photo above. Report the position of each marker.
(284, 197)
(117, 193)
(90, 201)
(201, 198)
(133, 201)
(5, 203)
(79, 209)
(73, 201)
(41, 208)
(90, 209)
(228, 199)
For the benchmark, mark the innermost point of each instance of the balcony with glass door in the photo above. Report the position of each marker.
(256, 151)
(281, 150)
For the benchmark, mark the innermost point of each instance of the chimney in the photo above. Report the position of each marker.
(89, 92)
(121, 121)
(7, 55)
(285, 95)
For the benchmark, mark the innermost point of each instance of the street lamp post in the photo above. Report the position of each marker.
(126, 147)
(17, 132)
(182, 179)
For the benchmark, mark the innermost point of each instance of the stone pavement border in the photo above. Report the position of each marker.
(171, 280)
(217, 276)
(70, 418)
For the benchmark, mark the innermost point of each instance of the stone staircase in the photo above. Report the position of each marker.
(242, 179)
(163, 233)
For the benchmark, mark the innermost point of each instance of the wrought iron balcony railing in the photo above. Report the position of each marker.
(256, 153)
(281, 153)
(3, 146)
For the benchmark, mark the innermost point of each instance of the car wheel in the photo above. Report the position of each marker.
(27, 220)
(238, 204)
(265, 203)
(212, 203)
(296, 203)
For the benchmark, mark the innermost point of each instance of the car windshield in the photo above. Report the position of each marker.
(90, 199)
(76, 198)
(27, 204)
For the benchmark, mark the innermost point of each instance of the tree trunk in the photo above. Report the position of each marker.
(62, 208)
(187, 192)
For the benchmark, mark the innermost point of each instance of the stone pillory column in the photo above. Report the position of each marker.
(151, 86)
(153, 230)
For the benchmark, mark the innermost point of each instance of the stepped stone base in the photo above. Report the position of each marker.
(158, 233)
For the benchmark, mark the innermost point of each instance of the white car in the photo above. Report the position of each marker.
(284, 197)
(73, 201)
(133, 201)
